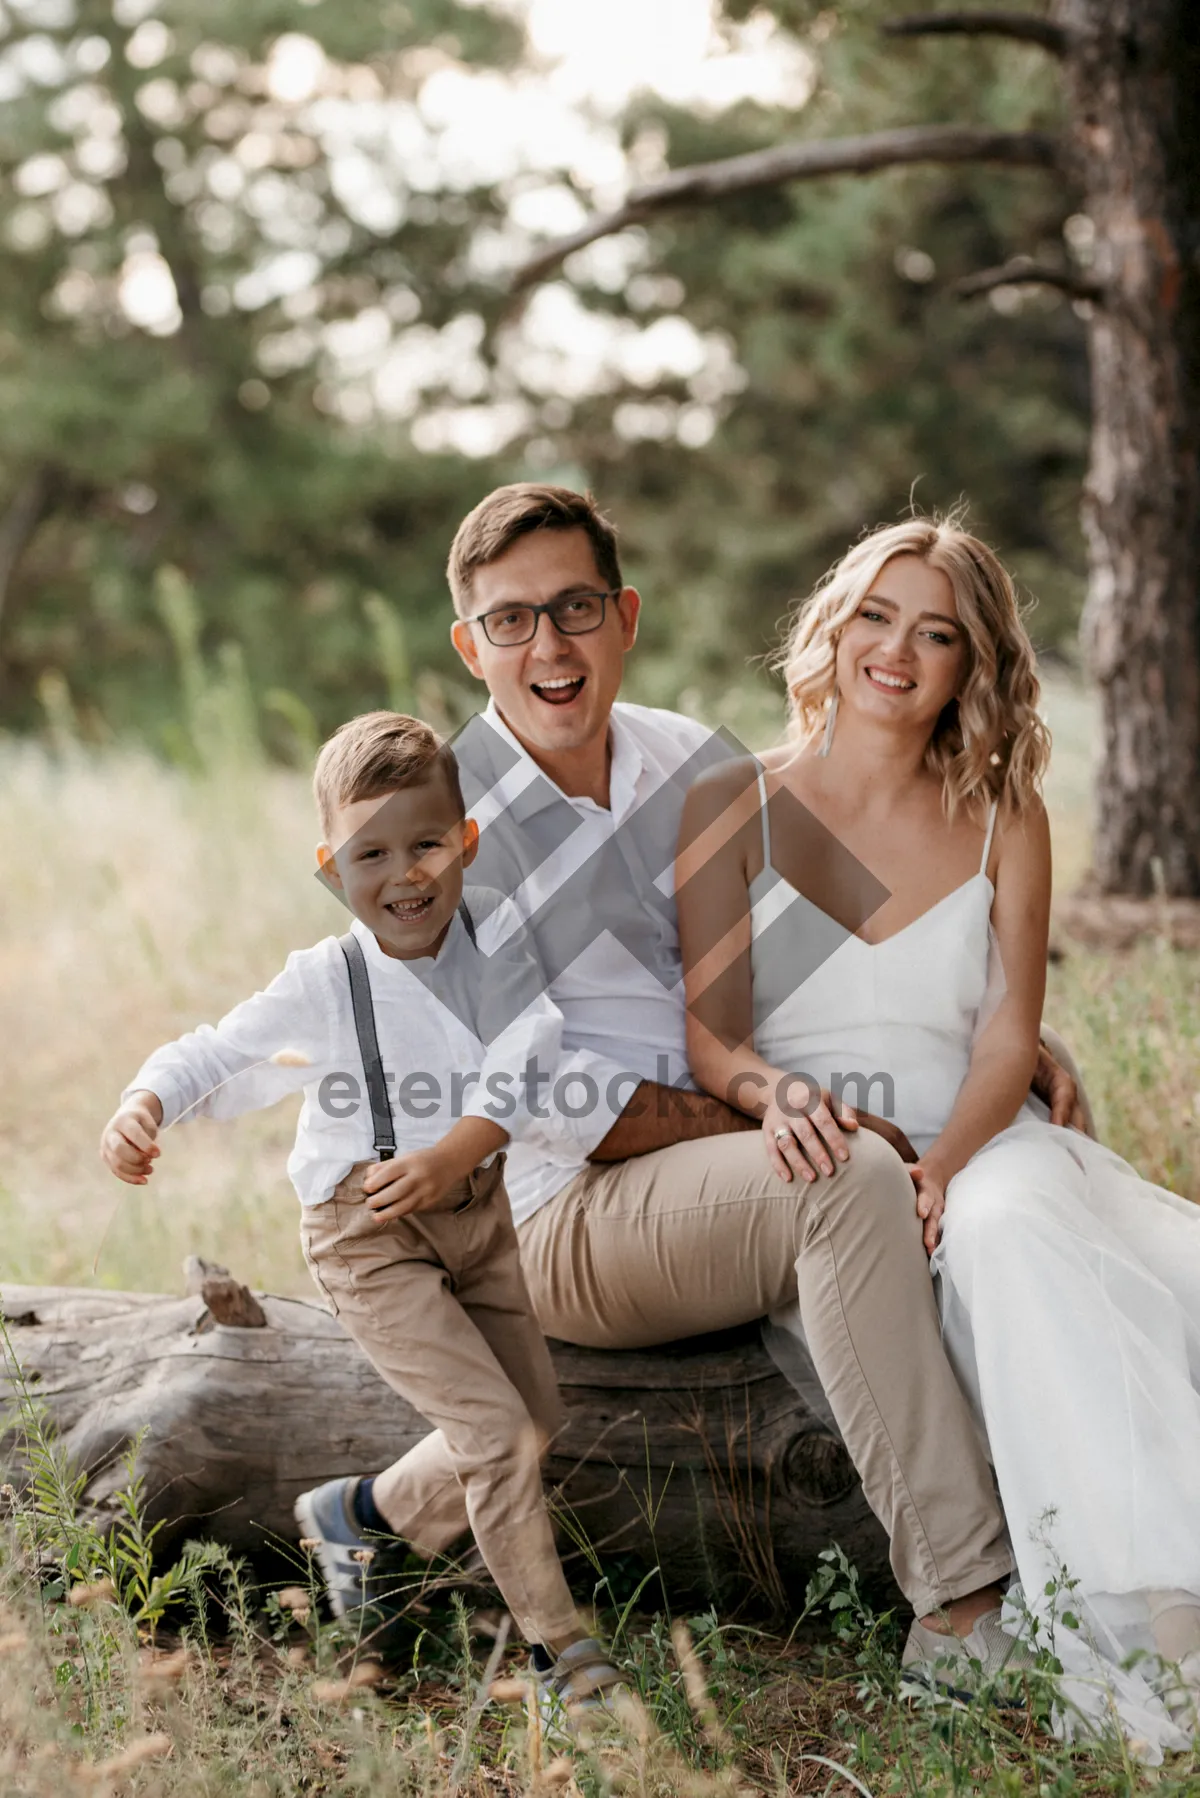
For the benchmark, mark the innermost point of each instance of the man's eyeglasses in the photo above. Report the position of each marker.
(574, 614)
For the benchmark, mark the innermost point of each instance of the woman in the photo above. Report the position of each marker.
(873, 898)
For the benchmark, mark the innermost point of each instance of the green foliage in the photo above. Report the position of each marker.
(214, 447)
(866, 383)
(263, 1698)
(236, 453)
(66, 1543)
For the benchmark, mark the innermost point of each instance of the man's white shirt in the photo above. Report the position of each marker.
(622, 1021)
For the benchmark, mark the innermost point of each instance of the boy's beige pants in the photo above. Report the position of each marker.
(702, 1236)
(438, 1303)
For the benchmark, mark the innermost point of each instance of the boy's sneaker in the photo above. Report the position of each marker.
(962, 1665)
(360, 1571)
(580, 1687)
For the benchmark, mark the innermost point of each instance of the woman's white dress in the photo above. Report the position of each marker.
(1069, 1286)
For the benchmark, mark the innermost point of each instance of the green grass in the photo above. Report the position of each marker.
(223, 1688)
(138, 901)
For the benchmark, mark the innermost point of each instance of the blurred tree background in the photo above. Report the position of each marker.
(258, 351)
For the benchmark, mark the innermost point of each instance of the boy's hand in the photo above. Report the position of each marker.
(414, 1182)
(127, 1142)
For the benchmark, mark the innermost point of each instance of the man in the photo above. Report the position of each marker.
(654, 1215)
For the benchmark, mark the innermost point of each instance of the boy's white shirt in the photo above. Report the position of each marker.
(307, 1008)
(605, 1016)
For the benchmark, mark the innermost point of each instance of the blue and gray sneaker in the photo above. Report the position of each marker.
(361, 1571)
(580, 1689)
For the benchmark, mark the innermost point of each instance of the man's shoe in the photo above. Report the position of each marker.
(962, 1665)
(359, 1570)
(581, 1687)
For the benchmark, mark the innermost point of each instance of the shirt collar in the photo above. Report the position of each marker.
(628, 764)
(381, 961)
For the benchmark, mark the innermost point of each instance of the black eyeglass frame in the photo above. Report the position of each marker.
(561, 599)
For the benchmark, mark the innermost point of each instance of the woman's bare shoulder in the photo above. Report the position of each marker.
(1030, 824)
(723, 798)
(778, 757)
(724, 781)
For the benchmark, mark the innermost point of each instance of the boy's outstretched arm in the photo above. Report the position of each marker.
(265, 1048)
(128, 1142)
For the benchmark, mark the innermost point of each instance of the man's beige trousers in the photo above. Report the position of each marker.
(702, 1236)
(438, 1303)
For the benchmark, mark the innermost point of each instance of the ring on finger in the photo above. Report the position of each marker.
(783, 1135)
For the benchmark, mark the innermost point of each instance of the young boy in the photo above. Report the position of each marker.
(411, 1037)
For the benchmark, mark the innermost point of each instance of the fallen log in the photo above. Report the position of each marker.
(697, 1458)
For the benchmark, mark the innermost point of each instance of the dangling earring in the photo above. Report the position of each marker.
(831, 720)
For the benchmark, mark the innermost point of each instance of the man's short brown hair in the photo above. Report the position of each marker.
(376, 754)
(512, 512)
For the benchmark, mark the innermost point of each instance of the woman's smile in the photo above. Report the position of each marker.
(889, 681)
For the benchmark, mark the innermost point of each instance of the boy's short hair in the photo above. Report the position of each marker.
(376, 754)
(514, 511)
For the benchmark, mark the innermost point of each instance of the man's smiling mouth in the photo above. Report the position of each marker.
(560, 690)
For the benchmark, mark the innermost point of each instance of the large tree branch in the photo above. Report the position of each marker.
(708, 181)
(1023, 271)
(1023, 26)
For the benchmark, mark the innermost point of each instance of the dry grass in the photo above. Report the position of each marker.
(247, 1705)
(139, 901)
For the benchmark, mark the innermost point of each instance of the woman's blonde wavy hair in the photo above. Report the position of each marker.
(989, 742)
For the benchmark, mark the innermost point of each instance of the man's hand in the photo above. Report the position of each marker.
(931, 1203)
(415, 1182)
(816, 1139)
(657, 1117)
(1052, 1083)
(128, 1144)
(891, 1133)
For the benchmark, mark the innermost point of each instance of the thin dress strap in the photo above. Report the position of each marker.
(987, 841)
(765, 816)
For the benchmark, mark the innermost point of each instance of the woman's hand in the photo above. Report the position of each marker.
(931, 1203)
(796, 1144)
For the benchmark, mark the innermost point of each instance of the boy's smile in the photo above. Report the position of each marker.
(399, 862)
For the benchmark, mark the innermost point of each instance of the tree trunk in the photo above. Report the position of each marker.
(697, 1458)
(1133, 87)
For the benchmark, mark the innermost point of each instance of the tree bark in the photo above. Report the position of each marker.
(1133, 90)
(697, 1458)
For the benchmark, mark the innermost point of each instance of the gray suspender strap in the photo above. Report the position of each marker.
(368, 1041)
(368, 1045)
